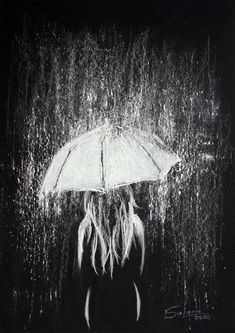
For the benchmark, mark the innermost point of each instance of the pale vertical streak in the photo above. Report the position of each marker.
(138, 302)
(87, 306)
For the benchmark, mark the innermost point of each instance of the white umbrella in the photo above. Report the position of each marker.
(106, 158)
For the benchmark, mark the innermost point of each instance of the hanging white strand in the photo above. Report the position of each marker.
(84, 230)
(102, 242)
(138, 302)
(93, 251)
(138, 229)
(87, 307)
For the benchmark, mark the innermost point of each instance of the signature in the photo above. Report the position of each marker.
(178, 311)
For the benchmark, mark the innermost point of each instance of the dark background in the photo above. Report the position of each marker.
(189, 20)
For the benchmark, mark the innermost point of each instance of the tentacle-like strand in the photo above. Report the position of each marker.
(83, 231)
(128, 239)
(132, 200)
(138, 232)
(124, 228)
(111, 260)
(93, 251)
(103, 245)
(115, 241)
(127, 231)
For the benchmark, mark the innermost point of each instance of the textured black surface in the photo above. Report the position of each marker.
(190, 22)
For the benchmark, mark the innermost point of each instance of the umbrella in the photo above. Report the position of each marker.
(106, 160)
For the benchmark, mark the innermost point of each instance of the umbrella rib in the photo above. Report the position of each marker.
(147, 152)
(153, 137)
(102, 163)
(57, 180)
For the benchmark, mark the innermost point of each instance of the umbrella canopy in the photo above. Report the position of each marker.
(106, 158)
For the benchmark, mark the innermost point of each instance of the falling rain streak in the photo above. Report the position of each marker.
(63, 85)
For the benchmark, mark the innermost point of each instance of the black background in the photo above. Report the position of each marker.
(190, 20)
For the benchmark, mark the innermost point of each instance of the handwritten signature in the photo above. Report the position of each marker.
(178, 311)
